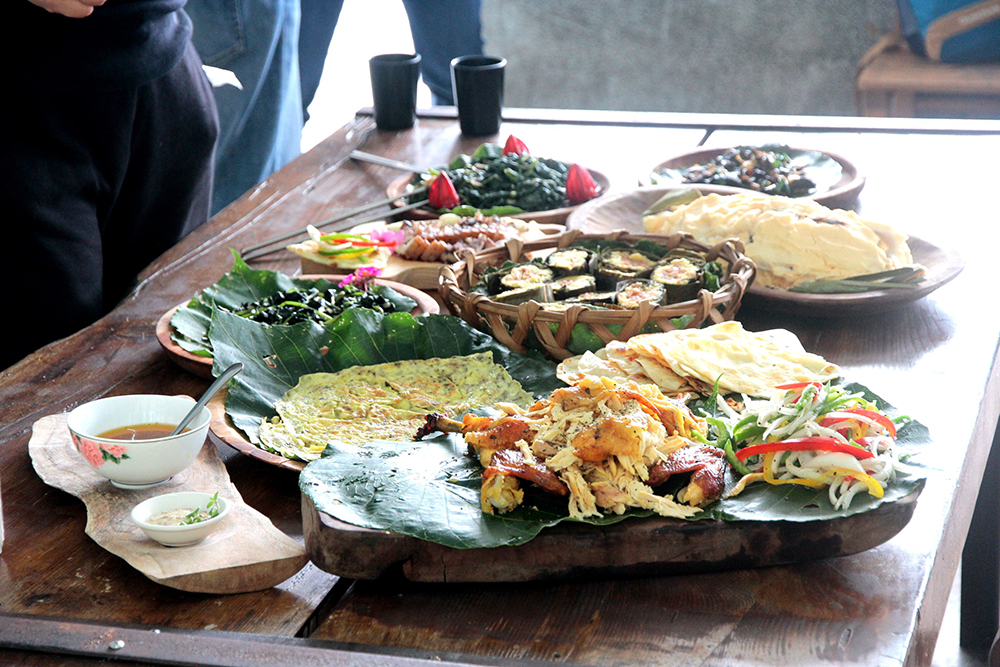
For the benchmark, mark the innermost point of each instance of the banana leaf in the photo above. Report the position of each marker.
(243, 285)
(430, 490)
(275, 357)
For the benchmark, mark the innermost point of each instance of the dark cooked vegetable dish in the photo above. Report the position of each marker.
(768, 171)
(500, 184)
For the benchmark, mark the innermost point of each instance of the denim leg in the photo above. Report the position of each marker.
(261, 125)
(443, 30)
(319, 20)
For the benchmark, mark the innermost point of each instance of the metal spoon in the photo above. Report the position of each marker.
(207, 396)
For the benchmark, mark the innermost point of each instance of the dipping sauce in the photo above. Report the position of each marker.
(178, 517)
(140, 432)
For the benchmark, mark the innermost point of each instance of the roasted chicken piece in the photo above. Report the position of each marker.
(708, 468)
(501, 488)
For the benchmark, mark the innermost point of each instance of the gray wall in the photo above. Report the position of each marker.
(727, 56)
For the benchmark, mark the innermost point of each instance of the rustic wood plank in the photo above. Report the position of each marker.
(880, 606)
(244, 554)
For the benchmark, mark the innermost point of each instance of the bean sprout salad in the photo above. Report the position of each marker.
(811, 434)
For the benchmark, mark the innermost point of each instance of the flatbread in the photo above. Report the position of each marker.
(790, 240)
(742, 361)
(383, 402)
(694, 359)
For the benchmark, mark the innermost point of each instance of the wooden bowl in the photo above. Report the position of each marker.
(842, 194)
(202, 366)
(556, 216)
(511, 324)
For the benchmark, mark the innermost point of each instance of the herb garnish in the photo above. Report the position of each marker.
(197, 514)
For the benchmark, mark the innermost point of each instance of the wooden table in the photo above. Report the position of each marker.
(61, 593)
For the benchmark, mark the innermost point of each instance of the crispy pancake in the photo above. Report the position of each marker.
(383, 402)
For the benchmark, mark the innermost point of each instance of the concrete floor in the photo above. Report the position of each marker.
(379, 26)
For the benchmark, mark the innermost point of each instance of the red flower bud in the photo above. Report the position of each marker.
(442, 193)
(515, 146)
(580, 185)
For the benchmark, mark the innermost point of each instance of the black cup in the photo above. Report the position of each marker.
(477, 82)
(394, 89)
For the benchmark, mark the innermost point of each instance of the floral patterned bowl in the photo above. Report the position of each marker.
(137, 464)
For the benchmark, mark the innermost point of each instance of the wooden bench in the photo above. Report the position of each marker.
(894, 82)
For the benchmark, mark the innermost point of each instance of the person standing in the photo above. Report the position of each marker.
(261, 124)
(442, 30)
(105, 157)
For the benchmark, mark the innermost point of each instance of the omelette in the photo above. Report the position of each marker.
(382, 402)
(689, 360)
(791, 240)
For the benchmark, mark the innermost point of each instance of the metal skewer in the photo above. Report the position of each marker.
(361, 156)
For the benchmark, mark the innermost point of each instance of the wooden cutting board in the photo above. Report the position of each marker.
(245, 553)
(421, 275)
(635, 547)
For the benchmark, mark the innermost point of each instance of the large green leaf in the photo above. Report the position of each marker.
(427, 489)
(430, 490)
(275, 357)
(243, 285)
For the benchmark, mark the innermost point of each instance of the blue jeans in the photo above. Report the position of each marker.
(260, 126)
(441, 29)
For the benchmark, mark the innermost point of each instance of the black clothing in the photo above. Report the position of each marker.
(122, 44)
(96, 184)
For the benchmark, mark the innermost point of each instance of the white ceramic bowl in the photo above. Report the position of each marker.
(136, 464)
(178, 536)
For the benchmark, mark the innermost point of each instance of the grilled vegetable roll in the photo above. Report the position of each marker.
(569, 261)
(617, 264)
(571, 286)
(681, 278)
(632, 294)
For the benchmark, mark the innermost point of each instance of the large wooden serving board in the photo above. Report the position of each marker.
(634, 547)
(246, 552)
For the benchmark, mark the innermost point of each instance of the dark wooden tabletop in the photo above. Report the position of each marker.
(61, 594)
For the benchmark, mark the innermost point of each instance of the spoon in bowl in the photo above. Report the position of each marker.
(225, 377)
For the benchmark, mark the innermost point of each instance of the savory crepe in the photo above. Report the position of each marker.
(791, 240)
(694, 359)
(382, 402)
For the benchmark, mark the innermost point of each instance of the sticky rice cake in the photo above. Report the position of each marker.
(790, 240)
(383, 402)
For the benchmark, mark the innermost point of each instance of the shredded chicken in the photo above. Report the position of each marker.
(603, 445)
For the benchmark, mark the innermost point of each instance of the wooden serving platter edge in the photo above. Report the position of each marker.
(634, 547)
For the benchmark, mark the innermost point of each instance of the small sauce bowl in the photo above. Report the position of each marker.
(137, 464)
(178, 536)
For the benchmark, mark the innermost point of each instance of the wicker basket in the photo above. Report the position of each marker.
(511, 324)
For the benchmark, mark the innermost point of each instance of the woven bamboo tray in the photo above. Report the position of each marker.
(511, 324)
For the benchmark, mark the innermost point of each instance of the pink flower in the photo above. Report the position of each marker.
(91, 451)
(362, 277)
(116, 451)
(395, 236)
